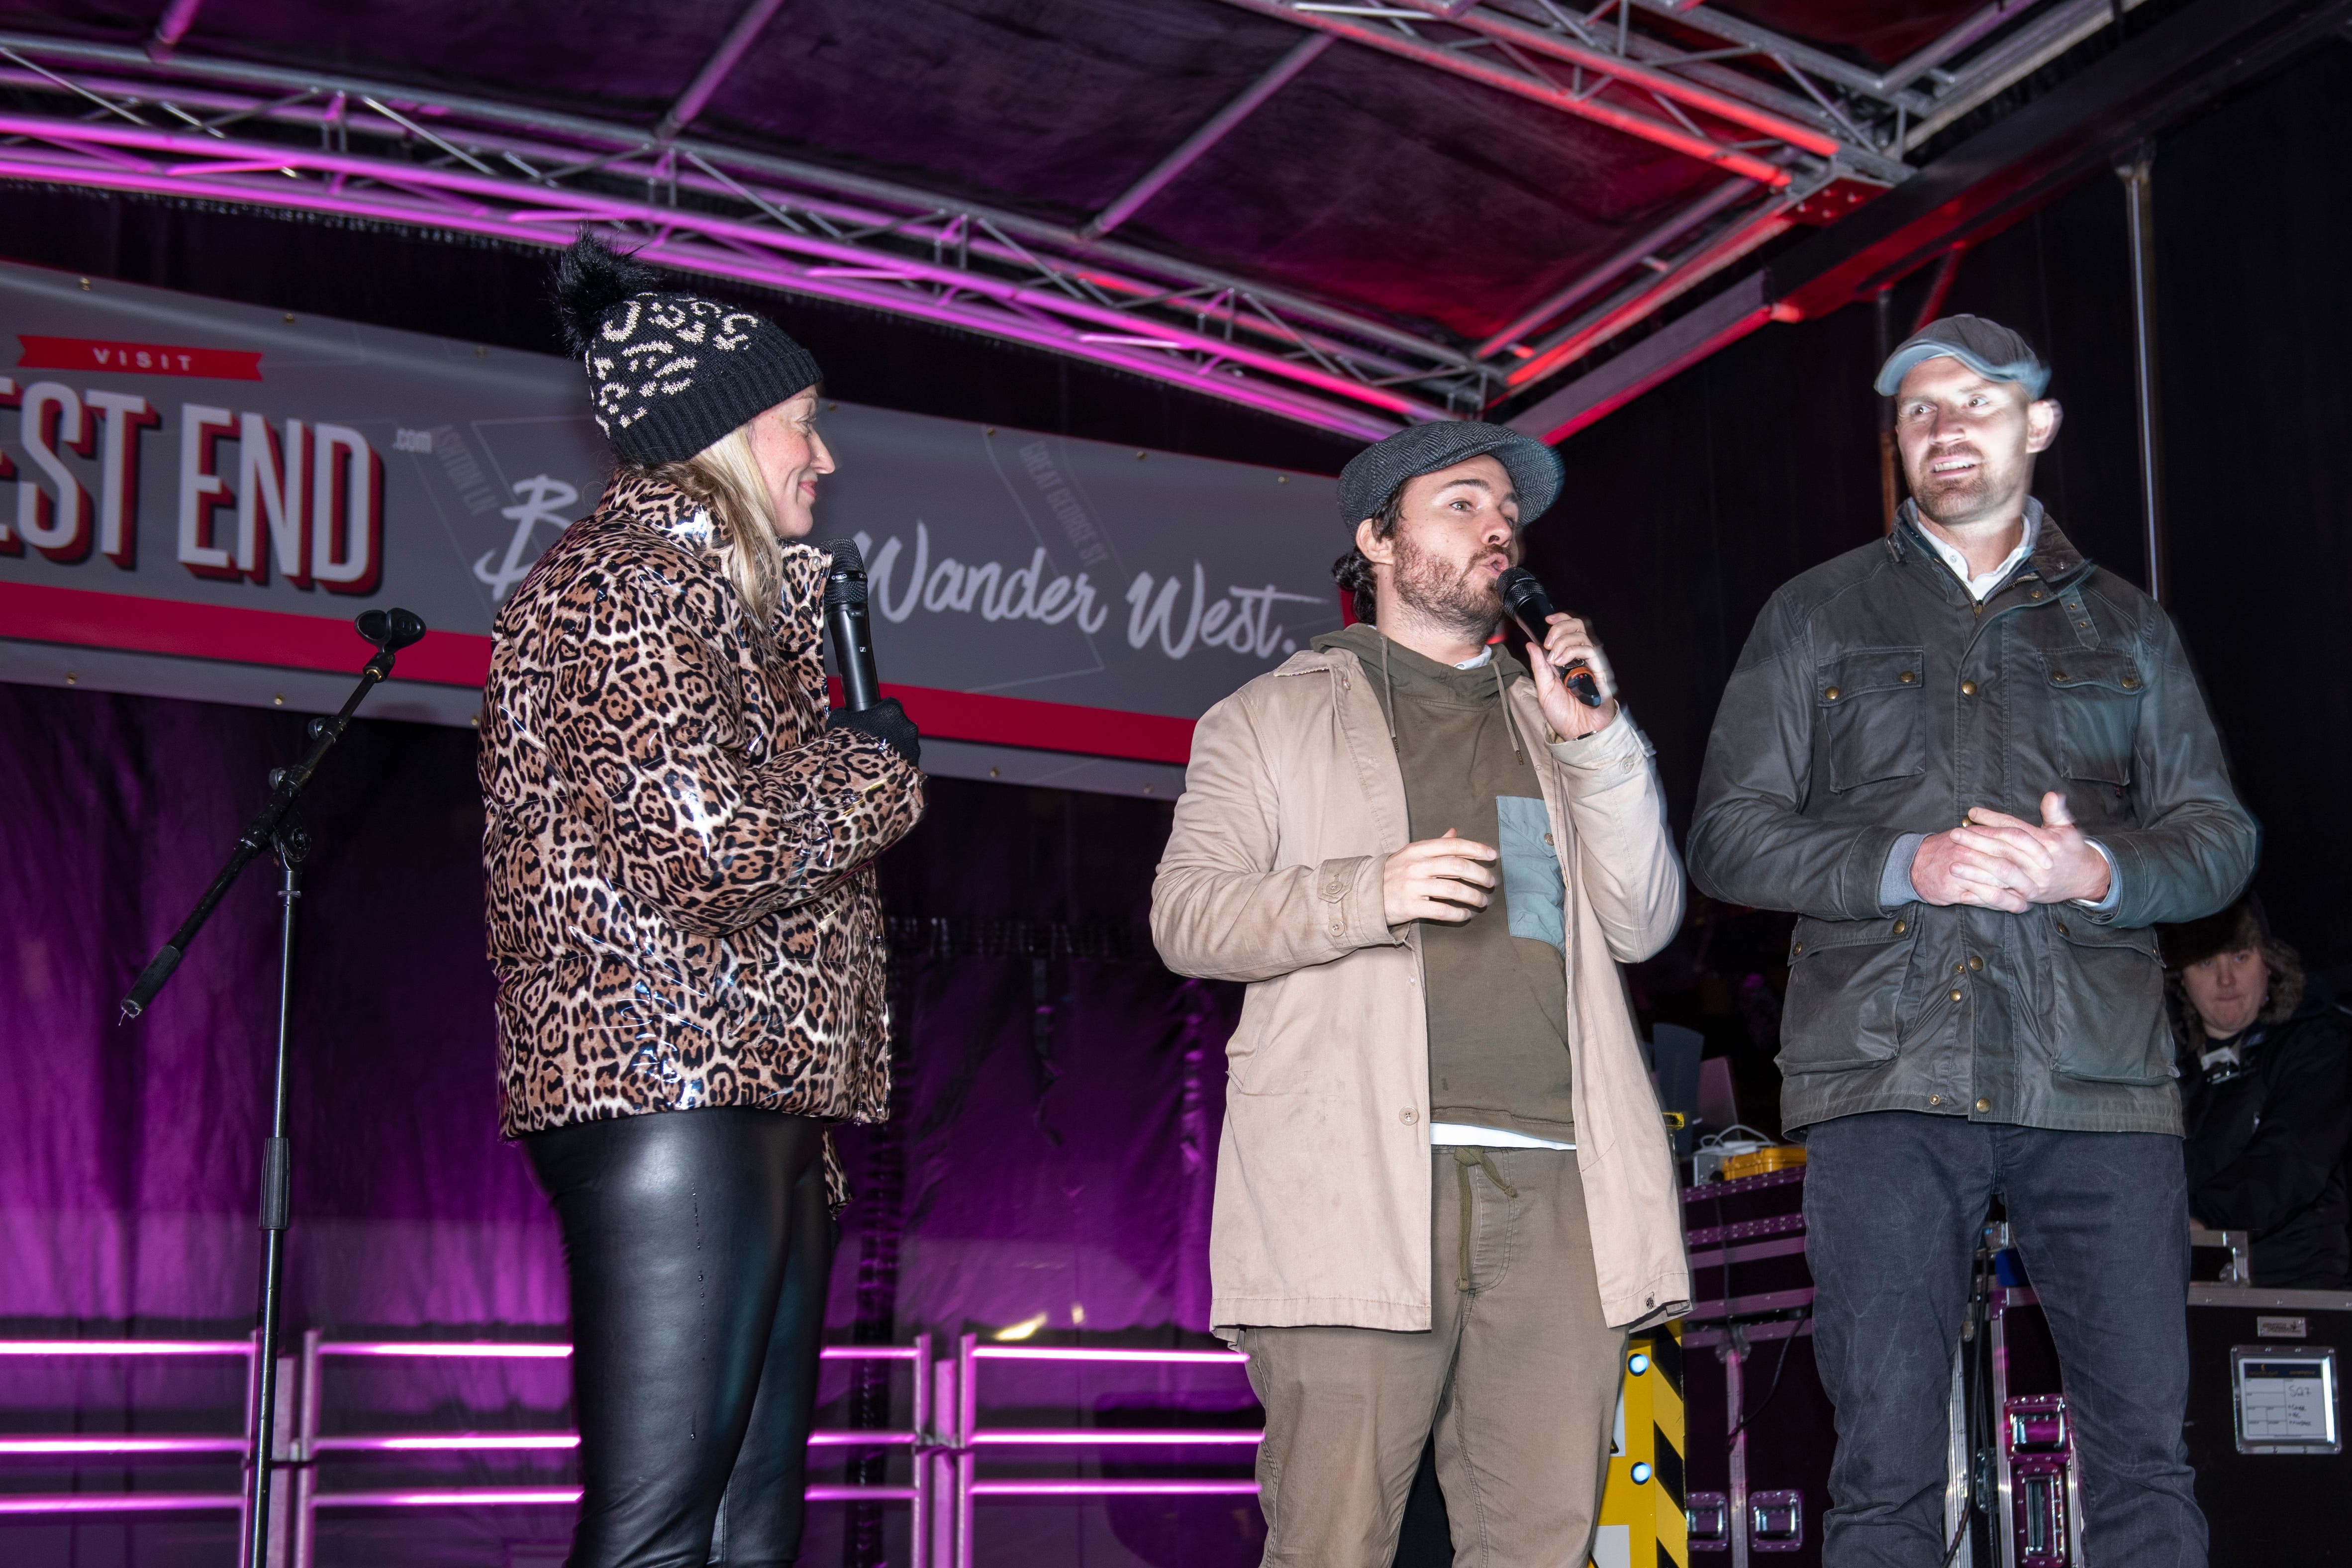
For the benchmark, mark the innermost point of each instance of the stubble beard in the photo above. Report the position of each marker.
(1444, 595)
(1957, 505)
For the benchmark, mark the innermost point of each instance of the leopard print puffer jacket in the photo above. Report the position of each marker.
(682, 901)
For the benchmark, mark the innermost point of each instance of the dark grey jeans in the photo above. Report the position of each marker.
(1894, 1201)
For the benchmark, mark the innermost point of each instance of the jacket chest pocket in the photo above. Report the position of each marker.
(1871, 704)
(2094, 696)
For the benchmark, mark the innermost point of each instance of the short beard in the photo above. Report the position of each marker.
(1442, 594)
(1954, 506)
(1958, 506)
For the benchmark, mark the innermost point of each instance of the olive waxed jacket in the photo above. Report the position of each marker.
(1875, 699)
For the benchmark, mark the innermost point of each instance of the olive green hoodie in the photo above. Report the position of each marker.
(1496, 990)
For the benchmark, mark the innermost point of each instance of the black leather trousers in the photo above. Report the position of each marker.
(699, 1244)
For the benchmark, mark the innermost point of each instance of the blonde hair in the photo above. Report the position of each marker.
(724, 477)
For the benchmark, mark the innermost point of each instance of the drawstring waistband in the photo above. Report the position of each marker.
(1466, 1159)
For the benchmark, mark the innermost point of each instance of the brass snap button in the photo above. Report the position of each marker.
(1907, 676)
(1975, 961)
(1968, 688)
(2131, 683)
(2061, 928)
(1798, 948)
(1957, 968)
(1984, 1105)
(1956, 996)
(2035, 595)
(1935, 1099)
(1831, 695)
(2058, 676)
(1902, 926)
(1547, 838)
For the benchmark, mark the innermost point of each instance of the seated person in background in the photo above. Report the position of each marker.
(2266, 1094)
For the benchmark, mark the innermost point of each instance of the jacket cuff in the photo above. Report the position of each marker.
(2102, 911)
(1598, 760)
(1862, 873)
(1354, 911)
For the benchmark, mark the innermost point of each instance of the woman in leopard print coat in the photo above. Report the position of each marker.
(683, 920)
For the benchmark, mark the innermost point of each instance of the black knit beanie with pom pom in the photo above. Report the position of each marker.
(668, 373)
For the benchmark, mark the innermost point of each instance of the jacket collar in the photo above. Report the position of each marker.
(643, 501)
(2054, 559)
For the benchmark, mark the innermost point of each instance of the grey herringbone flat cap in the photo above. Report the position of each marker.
(1374, 473)
(1986, 347)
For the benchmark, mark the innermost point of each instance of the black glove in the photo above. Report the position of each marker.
(887, 722)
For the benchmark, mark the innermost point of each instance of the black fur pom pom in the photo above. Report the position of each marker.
(591, 278)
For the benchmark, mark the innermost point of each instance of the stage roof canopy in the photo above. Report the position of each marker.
(1353, 215)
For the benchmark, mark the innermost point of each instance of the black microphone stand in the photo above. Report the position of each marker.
(280, 827)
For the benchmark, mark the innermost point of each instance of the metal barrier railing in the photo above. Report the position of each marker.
(944, 1444)
(305, 1444)
(311, 1445)
(125, 1445)
(969, 1436)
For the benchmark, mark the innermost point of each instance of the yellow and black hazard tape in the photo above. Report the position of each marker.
(1642, 1519)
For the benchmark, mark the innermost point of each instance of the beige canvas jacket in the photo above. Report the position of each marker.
(1272, 876)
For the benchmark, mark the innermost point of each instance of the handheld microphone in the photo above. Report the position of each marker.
(844, 617)
(1525, 602)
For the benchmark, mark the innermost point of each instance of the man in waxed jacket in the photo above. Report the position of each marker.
(1979, 769)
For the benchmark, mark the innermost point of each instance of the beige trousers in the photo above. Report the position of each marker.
(1517, 1377)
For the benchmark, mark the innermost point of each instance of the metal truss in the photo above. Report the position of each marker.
(1781, 121)
(1745, 98)
(111, 118)
(1785, 119)
(1889, 112)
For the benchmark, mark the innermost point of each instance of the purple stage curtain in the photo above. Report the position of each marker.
(127, 1155)
(1060, 1110)
(1047, 1167)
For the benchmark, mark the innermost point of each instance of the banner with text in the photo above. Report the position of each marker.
(182, 480)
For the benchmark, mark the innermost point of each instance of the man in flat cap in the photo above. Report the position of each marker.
(1980, 770)
(1445, 1191)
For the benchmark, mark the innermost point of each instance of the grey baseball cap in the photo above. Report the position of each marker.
(1374, 473)
(1988, 348)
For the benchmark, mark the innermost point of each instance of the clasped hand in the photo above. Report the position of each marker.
(1999, 862)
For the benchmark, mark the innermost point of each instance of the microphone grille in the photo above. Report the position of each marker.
(845, 581)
